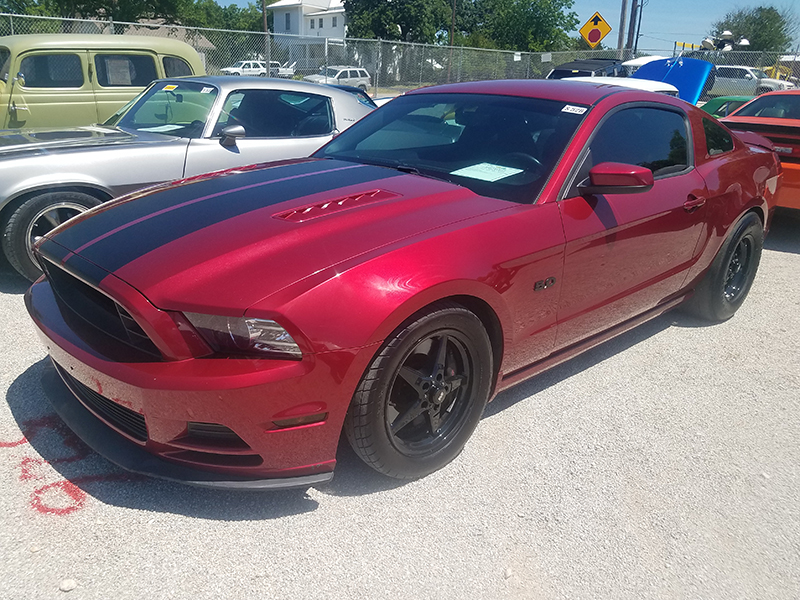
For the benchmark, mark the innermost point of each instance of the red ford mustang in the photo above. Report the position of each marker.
(225, 330)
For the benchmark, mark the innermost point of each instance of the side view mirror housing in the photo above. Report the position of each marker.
(230, 134)
(20, 77)
(617, 178)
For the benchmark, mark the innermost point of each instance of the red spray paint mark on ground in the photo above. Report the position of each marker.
(60, 497)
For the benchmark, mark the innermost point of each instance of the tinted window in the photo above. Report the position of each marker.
(648, 137)
(176, 67)
(499, 146)
(52, 71)
(275, 113)
(718, 140)
(115, 70)
(5, 54)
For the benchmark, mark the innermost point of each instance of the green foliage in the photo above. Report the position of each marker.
(765, 27)
(405, 20)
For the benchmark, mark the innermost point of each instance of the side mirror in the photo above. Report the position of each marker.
(230, 134)
(20, 77)
(617, 178)
(748, 76)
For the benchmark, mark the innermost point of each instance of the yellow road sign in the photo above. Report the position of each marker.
(594, 30)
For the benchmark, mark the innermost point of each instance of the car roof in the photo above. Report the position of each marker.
(40, 41)
(588, 64)
(228, 84)
(563, 90)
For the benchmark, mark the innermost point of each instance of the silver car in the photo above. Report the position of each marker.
(176, 128)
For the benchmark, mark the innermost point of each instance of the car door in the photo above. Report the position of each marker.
(278, 124)
(627, 253)
(54, 90)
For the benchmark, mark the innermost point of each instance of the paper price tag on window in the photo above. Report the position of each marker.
(575, 110)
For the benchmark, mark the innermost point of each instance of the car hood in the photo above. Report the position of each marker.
(689, 75)
(15, 142)
(233, 238)
(318, 78)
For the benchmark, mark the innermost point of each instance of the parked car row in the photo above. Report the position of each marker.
(258, 68)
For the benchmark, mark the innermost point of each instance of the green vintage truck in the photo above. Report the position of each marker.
(57, 80)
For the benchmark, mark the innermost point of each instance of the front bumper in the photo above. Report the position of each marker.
(234, 423)
(132, 457)
(789, 193)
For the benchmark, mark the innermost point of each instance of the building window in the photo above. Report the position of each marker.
(288, 21)
(312, 23)
(333, 22)
(320, 22)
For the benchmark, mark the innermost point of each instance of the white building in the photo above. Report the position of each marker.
(312, 18)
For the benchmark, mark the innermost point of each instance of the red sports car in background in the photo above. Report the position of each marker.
(224, 331)
(776, 116)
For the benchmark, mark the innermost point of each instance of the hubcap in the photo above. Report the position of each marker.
(738, 267)
(430, 394)
(48, 219)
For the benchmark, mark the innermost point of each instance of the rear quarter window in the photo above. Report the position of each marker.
(718, 141)
(176, 67)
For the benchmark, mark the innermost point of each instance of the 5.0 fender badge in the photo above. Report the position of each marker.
(543, 284)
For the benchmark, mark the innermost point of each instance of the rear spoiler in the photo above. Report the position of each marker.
(753, 139)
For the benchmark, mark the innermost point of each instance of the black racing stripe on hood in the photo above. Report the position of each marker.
(120, 214)
(214, 201)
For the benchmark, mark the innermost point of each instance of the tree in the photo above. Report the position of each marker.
(405, 20)
(527, 25)
(765, 27)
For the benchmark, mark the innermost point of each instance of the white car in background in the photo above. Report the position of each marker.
(258, 68)
(637, 84)
(342, 75)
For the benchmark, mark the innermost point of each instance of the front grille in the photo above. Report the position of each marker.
(97, 311)
(212, 434)
(115, 415)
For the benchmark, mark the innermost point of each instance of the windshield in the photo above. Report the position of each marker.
(779, 106)
(499, 146)
(330, 72)
(238, 65)
(760, 74)
(5, 55)
(177, 108)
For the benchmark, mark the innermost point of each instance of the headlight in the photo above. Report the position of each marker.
(244, 335)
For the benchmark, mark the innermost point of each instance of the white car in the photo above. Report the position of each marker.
(342, 75)
(248, 68)
(637, 84)
(738, 80)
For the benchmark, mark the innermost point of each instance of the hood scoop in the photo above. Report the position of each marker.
(320, 209)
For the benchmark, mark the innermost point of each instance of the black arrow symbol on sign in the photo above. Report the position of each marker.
(597, 19)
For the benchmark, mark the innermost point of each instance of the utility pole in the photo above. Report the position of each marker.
(621, 36)
(632, 25)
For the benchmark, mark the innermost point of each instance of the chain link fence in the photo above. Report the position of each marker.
(394, 67)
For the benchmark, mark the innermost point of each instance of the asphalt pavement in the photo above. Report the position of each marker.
(662, 464)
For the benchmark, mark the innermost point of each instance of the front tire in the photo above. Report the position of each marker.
(34, 218)
(424, 393)
(724, 288)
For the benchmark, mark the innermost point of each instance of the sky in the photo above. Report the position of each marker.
(664, 22)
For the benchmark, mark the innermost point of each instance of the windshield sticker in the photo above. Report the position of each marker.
(170, 88)
(575, 110)
(207, 90)
(486, 172)
(161, 128)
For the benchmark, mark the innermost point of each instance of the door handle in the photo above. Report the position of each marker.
(693, 203)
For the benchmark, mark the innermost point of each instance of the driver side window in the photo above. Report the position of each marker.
(276, 114)
(654, 138)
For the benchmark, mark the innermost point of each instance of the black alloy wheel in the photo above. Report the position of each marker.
(423, 395)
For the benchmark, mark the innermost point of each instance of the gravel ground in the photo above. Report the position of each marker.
(662, 464)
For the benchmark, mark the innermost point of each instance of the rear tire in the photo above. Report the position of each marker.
(424, 393)
(34, 218)
(724, 288)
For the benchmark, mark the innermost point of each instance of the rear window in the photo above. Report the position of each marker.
(52, 71)
(176, 67)
(123, 70)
